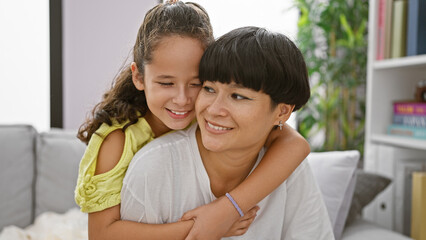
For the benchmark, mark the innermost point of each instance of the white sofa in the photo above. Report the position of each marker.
(38, 172)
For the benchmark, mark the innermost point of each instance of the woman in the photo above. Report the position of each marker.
(253, 80)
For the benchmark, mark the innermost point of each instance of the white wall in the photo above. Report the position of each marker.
(97, 38)
(24, 63)
(275, 15)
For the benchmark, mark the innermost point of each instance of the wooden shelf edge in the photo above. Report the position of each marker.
(399, 141)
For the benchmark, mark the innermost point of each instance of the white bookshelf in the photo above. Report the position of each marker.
(388, 81)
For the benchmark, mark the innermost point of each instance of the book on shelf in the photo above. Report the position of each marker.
(407, 131)
(404, 169)
(418, 206)
(409, 108)
(399, 28)
(388, 28)
(384, 29)
(410, 120)
(416, 27)
(381, 30)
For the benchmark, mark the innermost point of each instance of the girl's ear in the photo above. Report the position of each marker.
(137, 77)
(284, 113)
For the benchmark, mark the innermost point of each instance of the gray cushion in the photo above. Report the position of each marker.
(58, 158)
(17, 150)
(368, 186)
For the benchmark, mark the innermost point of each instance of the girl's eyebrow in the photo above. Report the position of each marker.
(163, 76)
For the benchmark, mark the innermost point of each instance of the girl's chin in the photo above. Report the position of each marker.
(179, 125)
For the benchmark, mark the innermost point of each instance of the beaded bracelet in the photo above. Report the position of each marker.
(235, 204)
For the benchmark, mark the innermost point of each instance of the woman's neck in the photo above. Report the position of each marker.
(226, 170)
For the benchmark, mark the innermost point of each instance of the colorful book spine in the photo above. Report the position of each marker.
(407, 131)
(418, 206)
(416, 27)
(410, 120)
(399, 28)
(410, 108)
(381, 30)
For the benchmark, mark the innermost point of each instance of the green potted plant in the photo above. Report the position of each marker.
(333, 38)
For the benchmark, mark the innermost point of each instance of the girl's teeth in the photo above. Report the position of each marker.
(178, 113)
(217, 128)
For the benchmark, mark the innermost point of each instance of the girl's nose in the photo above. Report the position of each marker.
(182, 97)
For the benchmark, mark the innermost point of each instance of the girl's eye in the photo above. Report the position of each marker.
(208, 89)
(196, 84)
(165, 83)
(239, 97)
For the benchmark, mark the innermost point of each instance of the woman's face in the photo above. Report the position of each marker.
(171, 83)
(232, 117)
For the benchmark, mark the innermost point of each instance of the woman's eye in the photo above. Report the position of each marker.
(239, 97)
(208, 89)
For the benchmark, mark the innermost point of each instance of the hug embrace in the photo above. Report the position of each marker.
(237, 171)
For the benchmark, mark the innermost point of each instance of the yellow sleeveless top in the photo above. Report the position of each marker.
(97, 192)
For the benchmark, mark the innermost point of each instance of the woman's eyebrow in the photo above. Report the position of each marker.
(235, 85)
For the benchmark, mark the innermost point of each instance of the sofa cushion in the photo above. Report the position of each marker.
(368, 186)
(335, 175)
(361, 229)
(58, 157)
(17, 157)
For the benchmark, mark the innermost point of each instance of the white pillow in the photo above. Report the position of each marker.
(335, 175)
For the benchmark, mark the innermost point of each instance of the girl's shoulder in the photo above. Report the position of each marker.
(141, 127)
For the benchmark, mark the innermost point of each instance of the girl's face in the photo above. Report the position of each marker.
(171, 83)
(232, 117)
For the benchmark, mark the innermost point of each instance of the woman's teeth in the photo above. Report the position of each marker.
(217, 127)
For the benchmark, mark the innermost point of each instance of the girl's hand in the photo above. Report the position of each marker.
(242, 225)
(218, 219)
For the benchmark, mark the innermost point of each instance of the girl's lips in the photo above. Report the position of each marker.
(178, 114)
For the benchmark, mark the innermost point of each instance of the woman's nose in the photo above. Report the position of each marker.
(217, 106)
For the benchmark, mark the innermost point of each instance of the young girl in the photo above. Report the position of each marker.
(155, 95)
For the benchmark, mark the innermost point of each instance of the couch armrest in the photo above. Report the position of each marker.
(17, 159)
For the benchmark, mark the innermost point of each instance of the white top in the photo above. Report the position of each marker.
(167, 177)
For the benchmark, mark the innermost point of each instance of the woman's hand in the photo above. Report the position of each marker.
(218, 219)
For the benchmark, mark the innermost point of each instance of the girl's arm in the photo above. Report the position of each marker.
(107, 224)
(286, 150)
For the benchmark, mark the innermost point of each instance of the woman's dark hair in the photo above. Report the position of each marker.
(260, 60)
(123, 102)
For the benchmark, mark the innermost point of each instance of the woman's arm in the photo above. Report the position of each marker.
(286, 150)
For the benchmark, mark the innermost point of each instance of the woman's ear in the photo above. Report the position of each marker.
(284, 112)
(137, 77)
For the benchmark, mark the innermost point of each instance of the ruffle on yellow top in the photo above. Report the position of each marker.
(97, 192)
